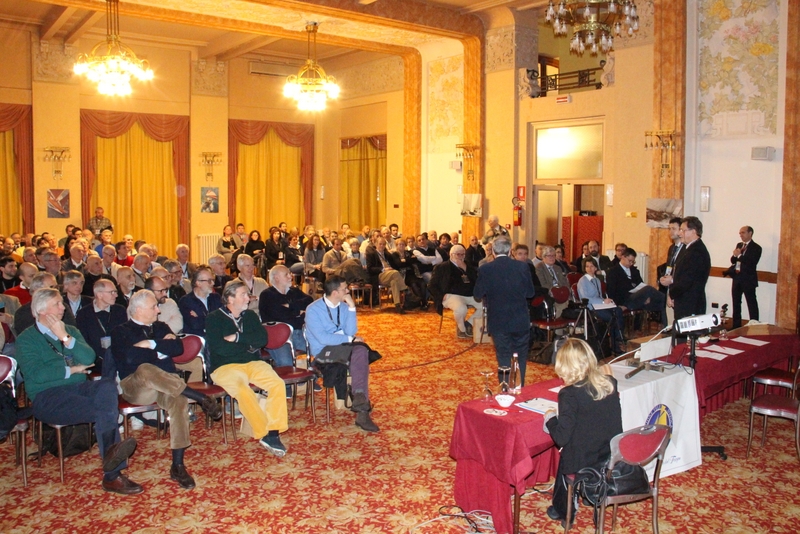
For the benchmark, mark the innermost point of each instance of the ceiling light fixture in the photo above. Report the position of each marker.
(311, 87)
(111, 64)
(594, 22)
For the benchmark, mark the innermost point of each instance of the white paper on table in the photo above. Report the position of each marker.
(750, 341)
(709, 354)
(724, 350)
(637, 288)
(556, 389)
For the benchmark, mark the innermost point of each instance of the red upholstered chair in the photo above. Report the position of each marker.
(327, 389)
(770, 405)
(573, 278)
(193, 347)
(8, 370)
(561, 295)
(638, 446)
(278, 335)
(775, 377)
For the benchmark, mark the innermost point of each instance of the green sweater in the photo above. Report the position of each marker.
(251, 338)
(42, 367)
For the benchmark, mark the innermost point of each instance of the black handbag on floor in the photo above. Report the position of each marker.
(626, 479)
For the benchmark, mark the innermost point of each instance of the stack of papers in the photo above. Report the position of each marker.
(539, 405)
(750, 341)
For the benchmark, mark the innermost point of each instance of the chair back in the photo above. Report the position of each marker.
(639, 446)
(575, 296)
(8, 371)
(573, 278)
(604, 289)
(560, 294)
(192, 348)
(278, 334)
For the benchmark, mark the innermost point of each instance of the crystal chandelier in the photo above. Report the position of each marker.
(311, 87)
(594, 22)
(111, 64)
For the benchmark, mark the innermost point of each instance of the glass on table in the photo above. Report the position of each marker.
(503, 375)
(487, 391)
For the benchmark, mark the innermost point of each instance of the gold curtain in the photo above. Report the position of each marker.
(136, 186)
(11, 214)
(362, 182)
(268, 186)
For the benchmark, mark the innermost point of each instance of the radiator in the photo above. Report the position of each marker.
(206, 247)
(643, 264)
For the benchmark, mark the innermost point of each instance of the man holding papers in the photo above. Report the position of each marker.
(626, 289)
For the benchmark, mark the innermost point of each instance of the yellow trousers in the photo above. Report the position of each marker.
(235, 378)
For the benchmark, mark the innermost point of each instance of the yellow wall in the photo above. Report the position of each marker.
(208, 133)
(500, 162)
(15, 61)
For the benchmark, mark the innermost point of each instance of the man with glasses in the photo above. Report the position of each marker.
(452, 286)
(330, 322)
(196, 306)
(626, 289)
(254, 284)
(175, 280)
(551, 275)
(169, 311)
(98, 320)
(687, 284)
(619, 249)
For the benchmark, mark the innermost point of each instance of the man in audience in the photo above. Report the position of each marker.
(169, 314)
(394, 230)
(217, 263)
(8, 273)
(687, 284)
(505, 287)
(601, 259)
(178, 286)
(23, 317)
(383, 270)
(92, 273)
(109, 256)
(9, 247)
(234, 336)
(51, 263)
(619, 249)
(367, 244)
(26, 273)
(331, 321)
(67, 233)
(240, 237)
(143, 348)
(187, 268)
(626, 289)
(363, 235)
(126, 284)
(444, 246)
(744, 261)
(196, 305)
(282, 303)
(427, 257)
(106, 239)
(123, 258)
(550, 275)
(538, 253)
(129, 244)
(408, 268)
(55, 360)
(254, 284)
(452, 286)
(74, 299)
(75, 260)
(494, 230)
(140, 267)
(152, 255)
(387, 235)
(99, 222)
(29, 255)
(333, 258)
(98, 320)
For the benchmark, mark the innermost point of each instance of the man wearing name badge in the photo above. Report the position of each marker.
(687, 284)
(505, 286)
(196, 306)
(330, 322)
(97, 320)
(254, 284)
(745, 277)
(673, 252)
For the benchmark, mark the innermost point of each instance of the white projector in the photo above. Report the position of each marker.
(697, 323)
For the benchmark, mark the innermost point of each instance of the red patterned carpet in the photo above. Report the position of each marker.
(338, 479)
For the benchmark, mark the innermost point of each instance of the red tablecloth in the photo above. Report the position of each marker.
(721, 382)
(497, 454)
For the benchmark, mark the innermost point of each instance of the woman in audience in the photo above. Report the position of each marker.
(67, 244)
(589, 415)
(560, 259)
(294, 255)
(274, 253)
(254, 244)
(226, 246)
(487, 248)
(313, 258)
(308, 231)
(590, 288)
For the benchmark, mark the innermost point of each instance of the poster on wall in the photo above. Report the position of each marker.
(209, 198)
(661, 210)
(472, 206)
(58, 203)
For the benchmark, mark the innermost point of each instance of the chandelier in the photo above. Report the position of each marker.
(111, 64)
(311, 87)
(594, 22)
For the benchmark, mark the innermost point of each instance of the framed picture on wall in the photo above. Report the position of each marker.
(209, 200)
(472, 206)
(58, 203)
(661, 210)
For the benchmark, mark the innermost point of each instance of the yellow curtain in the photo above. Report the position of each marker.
(268, 189)
(362, 185)
(11, 214)
(136, 186)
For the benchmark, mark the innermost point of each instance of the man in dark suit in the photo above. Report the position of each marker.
(98, 320)
(674, 250)
(196, 306)
(745, 278)
(506, 286)
(452, 286)
(621, 279)
(687, 284)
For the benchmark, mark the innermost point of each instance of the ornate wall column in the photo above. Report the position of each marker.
(789, 248)
(669, 110)
(412, 142)
(474, 131)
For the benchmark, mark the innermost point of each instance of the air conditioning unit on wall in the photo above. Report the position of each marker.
(268, 68)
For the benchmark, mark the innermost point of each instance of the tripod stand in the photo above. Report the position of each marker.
(713, 449)
(590, 327)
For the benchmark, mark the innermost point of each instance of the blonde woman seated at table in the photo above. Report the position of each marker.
(590, 288)
(589, 415)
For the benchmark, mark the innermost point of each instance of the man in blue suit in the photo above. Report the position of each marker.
(506, 286)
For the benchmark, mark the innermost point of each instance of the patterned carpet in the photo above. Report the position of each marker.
(338, 479)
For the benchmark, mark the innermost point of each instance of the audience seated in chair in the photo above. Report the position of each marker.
(452, 286)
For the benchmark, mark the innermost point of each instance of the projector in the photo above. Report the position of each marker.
(697, 323)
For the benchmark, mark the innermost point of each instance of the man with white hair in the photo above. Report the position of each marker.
(109, 255)
(140, 267)
(75, 260)
(383, 268)
(126, 284)
(23, 317)
(254, 284)
(74, 299)
(143, 348)
(452, 286)
(187, 268)
(55, 360)
(178, 286)
(495, 230)
(94, 272)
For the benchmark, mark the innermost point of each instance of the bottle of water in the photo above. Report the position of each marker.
(514, 379)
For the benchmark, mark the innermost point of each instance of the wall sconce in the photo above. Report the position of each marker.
(665, 141)
(57, 155)
(467, 153)
(208, 160)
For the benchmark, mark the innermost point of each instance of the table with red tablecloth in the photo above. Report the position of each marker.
(497, 455)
